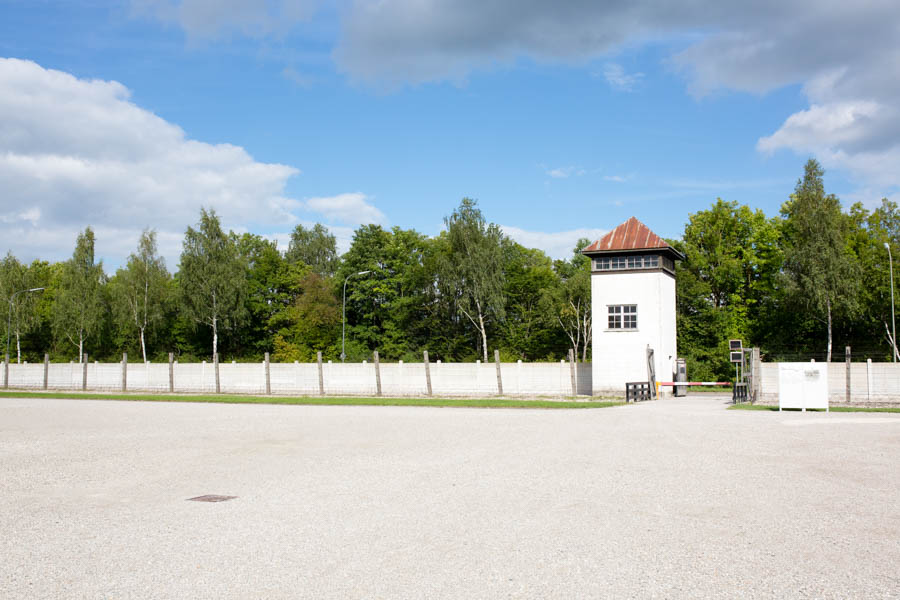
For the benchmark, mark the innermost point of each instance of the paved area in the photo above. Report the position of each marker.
(677, 498)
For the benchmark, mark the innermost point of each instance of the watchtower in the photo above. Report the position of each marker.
(633, 306)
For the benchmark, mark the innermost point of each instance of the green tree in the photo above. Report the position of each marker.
(732, 261)
(821, 274)
(212, 277)
(315, 247)
(385, 309)
(528, 331)
(310, 324)
(139, 290)
(472, 270)
(79, 306)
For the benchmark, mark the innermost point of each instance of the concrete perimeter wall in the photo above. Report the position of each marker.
(870, 383)
(358, 379)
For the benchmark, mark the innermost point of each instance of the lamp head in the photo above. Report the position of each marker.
(886, 245)
(35, 289)
(363, 272)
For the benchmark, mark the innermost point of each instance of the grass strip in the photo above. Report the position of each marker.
(319, 400)
(874, 409)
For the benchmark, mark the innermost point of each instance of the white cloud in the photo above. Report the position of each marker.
(615, 178)
(565, 172)
(558, 244)
(353, 208)
(77, 152)
(618, 79)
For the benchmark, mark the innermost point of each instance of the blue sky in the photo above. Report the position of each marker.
(562, 119)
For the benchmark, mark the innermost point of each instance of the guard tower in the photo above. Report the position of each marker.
(633, 306)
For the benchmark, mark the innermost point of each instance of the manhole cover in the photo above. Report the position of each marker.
(212, 498)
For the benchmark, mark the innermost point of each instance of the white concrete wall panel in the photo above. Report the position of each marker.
(397, 379)
(619, 356)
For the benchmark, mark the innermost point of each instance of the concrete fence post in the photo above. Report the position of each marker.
(321, 374)
(377, 373)
(868, 380)
(427, 372)
(124, 371)
(847, 366)
(171, 372)
(268, 377)
(499, 378)
(755, 374)
(572, 372)
(6, 371)
(46, 369)
(84, 362)
(216, 369)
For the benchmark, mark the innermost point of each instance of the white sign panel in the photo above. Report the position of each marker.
(803, 385)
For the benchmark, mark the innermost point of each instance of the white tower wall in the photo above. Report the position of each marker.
(620, 356)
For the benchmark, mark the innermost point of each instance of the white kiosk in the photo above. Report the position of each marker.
(633, 306)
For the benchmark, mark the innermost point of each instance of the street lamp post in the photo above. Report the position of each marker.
(9, 315)
(344, 312)
(893, 322)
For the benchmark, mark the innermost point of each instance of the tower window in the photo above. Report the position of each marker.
(622, 316)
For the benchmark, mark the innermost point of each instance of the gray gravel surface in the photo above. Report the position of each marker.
(676, 498)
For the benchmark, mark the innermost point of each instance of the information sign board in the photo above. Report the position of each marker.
(803, 385)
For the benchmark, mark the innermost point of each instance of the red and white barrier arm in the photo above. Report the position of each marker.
(693, 383)
(674, 383)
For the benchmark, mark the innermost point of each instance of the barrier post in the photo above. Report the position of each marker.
(171, 372)
(46, 369)
(268, 380)
(499, 378)
(84, 371)
(847, 366)
(572, 371)
(6, 372)
(427, 372)
(216, 368)
(124, 371)
(377, 374)
(321, 375)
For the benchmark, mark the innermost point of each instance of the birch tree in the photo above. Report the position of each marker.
(571, 300)
(472, 270)
(821, 273)
(79, 309)
(140, 289)
(212, 277)
(22, 309)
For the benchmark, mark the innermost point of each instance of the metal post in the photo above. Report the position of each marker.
(124, 371)
(216, 368)
(84, 371)
(499, 378)
(171, 372)
(321, 375)
(6, 371)
(268, 380)
(427, 372)
(46, 369)
(572, 371)
(847, 364)
(377, 374)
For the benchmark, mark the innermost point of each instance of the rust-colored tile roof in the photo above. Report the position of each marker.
(630, 235)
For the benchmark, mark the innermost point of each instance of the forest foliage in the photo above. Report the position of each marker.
(801, 284)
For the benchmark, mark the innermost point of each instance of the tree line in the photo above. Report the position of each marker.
(797, 285)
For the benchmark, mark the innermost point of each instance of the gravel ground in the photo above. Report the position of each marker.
(676, 498)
